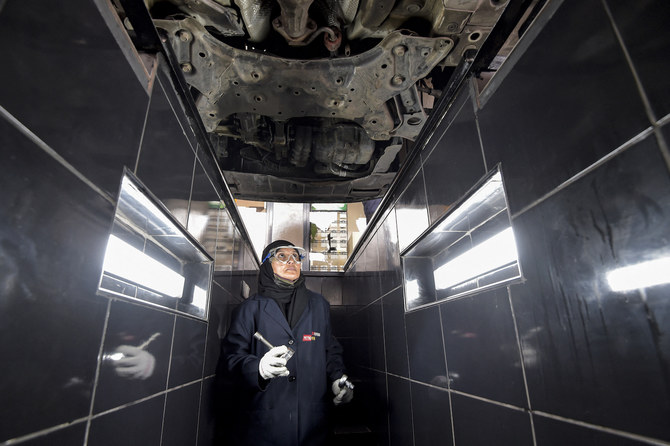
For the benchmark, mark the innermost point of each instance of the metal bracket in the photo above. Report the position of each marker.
(355, 88)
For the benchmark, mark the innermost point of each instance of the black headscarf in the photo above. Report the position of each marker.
(291, 297)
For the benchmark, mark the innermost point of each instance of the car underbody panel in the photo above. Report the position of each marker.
(324, 97)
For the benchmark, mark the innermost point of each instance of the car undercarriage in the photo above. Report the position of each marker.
(318, 100)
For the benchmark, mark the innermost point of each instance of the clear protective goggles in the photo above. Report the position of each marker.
(297, 254)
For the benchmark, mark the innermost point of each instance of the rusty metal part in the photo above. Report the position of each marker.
(359, 88)
(256, 15)
(304, 39)
(333, 42)
(467, 22)
(342, 145)
(294, 20)
(211, 13)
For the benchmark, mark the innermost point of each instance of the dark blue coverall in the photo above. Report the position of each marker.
(284, 411)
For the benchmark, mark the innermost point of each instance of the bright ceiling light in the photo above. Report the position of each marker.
(494, 253)
(126, 261)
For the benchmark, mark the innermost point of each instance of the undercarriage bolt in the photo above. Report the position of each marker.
(184, 36)
(397, 79)
(186, 67)
(399, 50)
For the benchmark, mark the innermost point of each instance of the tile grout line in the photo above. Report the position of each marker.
(619, 433)
(638, 84)
(578, 176)
(174, 110)
(202, 371)
(481, 142)
(197, 425)
(142, 400)
(51, 152)
(437, 139)
(663, 146)
(43, 432)
(631, 66)
(523, 364)
(458, 392)
(167, 378)
(144, 130)
(98, 367)
(446, 368)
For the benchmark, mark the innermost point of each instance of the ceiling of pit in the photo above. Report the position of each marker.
(323, 100)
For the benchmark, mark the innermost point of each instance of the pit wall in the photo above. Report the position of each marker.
(578, 118)
(77, 105)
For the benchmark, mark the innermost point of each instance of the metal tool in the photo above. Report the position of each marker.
(344, 382)
(288, 355)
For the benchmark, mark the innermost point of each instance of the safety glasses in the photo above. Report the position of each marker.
(296, 254)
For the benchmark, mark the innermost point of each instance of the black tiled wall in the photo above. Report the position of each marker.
(73, 112)
(580, 126)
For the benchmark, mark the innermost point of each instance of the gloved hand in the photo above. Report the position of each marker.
(272, 364)
(343, 394)
(135, 364)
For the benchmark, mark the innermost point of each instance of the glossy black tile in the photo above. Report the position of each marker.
(411, 212)
(395, 338)
(136, 355)
(358, 350)
(550, 432)
(561, 109)
(373, 321)
(479, 337)
(400, 411)
(419, 281)
(123, 426)
(389, 254)
(373, 286)
(91, 105)
(425, 348)
(52, 239)
(180, 423)
(164, 81)
(342, 321)
(431, 415)
(69, 435)
(592, 350)
(207, 422)
(479, 423)
(366, 280)
(647, 39)
(203, 210)
(331, 289)
(456, 162)
(166, 162)
(188, 351)
(371, 398)
(220, 311)
(349, 290)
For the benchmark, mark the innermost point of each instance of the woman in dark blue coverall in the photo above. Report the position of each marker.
(282, 402)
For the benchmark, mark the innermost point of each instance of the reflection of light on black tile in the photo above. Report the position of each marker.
(641, 275)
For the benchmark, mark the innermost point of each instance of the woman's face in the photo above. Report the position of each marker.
(289, 270)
